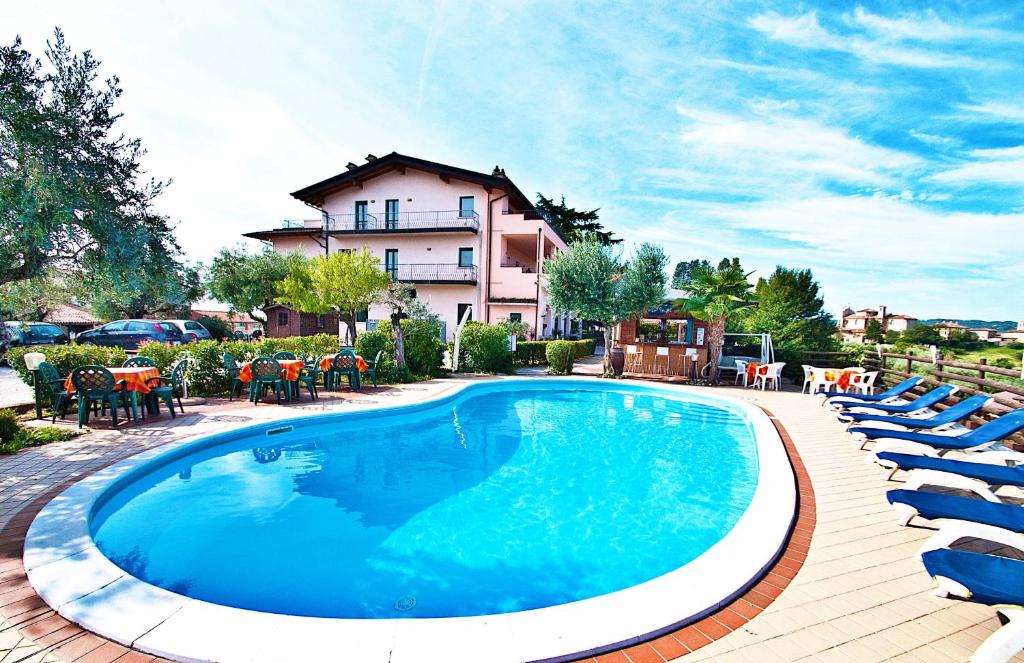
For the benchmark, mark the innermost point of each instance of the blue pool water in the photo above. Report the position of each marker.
(510, 496)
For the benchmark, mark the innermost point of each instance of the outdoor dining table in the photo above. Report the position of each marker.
(290, 367)
(325, 364)
(136, 381)
(841, 376)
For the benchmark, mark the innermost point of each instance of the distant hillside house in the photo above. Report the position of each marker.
(986, 334)
(1013, 335)
(237, 322)
(947, 327)
(465, 240)
(853, 324)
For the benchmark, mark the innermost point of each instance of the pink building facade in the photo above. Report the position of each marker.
(462, 239)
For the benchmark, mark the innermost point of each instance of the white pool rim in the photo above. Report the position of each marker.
(71, 575)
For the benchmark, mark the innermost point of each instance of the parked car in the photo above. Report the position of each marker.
(191, 331)
(35, 333)
(129, 334)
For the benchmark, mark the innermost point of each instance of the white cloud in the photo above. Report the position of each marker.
(995, 111)
(769, 106)
(934, 139)
(991, 166)
(926, 26)
(804, 31)
(782, 149)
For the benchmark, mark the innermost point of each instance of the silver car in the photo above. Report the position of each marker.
(191, 331)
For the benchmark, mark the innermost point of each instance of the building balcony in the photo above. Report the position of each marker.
(444, 221)
(434, 273)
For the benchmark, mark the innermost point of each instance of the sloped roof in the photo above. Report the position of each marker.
(314, 194)
(71, 314)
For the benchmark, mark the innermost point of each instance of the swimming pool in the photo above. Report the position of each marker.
(508, 503)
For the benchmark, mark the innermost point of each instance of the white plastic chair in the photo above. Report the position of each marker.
(808, 373)
(769, 373)
(659, 353)
(863, 382)
(824, 379)
(741, 372)
(634, 359)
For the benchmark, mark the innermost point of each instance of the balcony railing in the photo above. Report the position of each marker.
(433, 273)
(380, 222)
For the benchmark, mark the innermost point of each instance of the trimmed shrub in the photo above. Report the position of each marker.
(163, 354)
(584, 347)
(9, 426)
(531, 353)
(66, 358)
(484, 348)
(369, 343)
(561, 355)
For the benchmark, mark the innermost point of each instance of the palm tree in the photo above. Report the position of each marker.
(715, 295)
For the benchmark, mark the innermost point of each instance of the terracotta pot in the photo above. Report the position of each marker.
(618, 360)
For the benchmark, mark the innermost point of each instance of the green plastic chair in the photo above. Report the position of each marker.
(371, 370)
(307, 378)
(95, 384)
(284, 355)
(233, 371)
(266, 374)
(52, 379)
(138, 361)
(168, 388)
(344, 364)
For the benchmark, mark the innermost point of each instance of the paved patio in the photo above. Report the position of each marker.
(861, 595)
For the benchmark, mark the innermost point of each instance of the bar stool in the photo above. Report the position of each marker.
(634, 360)
(661, 352)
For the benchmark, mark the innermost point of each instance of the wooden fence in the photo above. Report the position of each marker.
(971, 378)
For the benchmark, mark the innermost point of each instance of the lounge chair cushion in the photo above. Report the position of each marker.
(937, 505)
(991, 579)
(994, 475)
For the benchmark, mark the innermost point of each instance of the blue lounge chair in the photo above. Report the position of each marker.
(982, 476)
(990, 580)
(947, 417)
(933, 397)
(938, 506)
(933, 444)
(852, 400)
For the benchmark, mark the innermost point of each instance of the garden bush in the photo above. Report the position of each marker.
(13, 436)
(531, 353)
(369, 343)
(163, 354)
(66, 358)
(484, 349)
(219, 329)
(560, 355)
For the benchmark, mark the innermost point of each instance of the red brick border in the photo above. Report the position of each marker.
(20, 604)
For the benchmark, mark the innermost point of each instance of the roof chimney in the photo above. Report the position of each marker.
(498, 172)
(351, 166)
(881, 314)
(370, 157)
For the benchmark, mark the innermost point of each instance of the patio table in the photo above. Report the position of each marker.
(136, 381)
(841, 376)
(325, 364)
(290, 367)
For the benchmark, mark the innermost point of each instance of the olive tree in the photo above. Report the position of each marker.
(592, 281)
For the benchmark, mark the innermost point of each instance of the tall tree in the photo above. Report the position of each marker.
(683, 273)
(716, 295)
(401, 302)
(344, 282)
(33, 298)
(572, 224)
(73, 196)
(247, 282)
(591, 280)
(159, 285)
(790, 308)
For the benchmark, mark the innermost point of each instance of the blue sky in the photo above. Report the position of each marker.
(880, 144)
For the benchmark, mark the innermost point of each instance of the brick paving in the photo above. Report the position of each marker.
(859, 592)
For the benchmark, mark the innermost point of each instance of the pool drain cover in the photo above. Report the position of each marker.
(405, 603)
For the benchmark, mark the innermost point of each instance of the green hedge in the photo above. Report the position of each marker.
(484, 349)
(66, 358)
(532, 353)
(560, 356)
(14, 436)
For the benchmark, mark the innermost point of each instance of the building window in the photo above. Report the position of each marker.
(391, 213)
(462, 311)
(360, 215)
(282, 318)
(515, 317)
(466, 205)
(320, 322)
(465, 257)
(391, 262)
(361, 316)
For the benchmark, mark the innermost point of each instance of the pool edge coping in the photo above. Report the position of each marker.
(761, 587)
